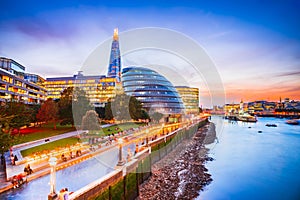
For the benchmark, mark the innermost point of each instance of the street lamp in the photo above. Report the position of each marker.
(52, 163)
(162, 128)
(121, 162)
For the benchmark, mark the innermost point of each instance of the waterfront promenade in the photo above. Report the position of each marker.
(39, 168)
(42, 168)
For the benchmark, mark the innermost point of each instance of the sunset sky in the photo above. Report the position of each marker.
(255, 45)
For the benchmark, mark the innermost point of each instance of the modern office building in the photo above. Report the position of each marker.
(190, 98)
(99, 89)
(12, 67)
(17, 85)
(114, 68)
(153, 90)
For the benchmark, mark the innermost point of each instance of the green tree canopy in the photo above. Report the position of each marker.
(108, 112)
(126, 107)
(14, 115)
(156, 116)
(90, 121)
(6, 141)
(81, 104)
(73, 105)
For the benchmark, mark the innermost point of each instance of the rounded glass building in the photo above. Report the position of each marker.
(153, 90)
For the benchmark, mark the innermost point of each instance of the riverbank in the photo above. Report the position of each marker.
(181, 174)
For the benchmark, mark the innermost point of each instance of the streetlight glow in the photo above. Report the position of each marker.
(52, 163)
(121, 162)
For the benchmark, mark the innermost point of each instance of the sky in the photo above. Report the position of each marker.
(255, 45)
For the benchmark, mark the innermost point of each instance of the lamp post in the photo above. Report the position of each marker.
(162, 128)
(121, 162)
(52, 163)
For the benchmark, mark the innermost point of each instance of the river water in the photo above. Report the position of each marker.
(253, 165)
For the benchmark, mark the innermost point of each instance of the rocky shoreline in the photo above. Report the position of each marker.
(182, 173)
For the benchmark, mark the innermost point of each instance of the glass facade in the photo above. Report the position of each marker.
(154, 91)
(12, 67)
(190, 98)
(99, 89)
(114, 68)
(15, 88)
(34, 78)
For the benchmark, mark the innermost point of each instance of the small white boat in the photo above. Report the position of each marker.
(246, 118)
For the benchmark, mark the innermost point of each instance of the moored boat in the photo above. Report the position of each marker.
(246, 118)
(292, 121)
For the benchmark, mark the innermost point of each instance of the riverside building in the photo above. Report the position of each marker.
(97, 88)
(17, 85)
(153, 90)
(190, 98)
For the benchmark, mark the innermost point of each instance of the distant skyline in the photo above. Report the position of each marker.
(255, 45)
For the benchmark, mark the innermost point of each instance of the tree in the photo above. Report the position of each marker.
(65, 107)
(144, 115)
(156, 116)
(14, 115)
(34, 108)
(108, 112)
(126, 107)
(81, 104)
(6, 141)
(48, 112)
(101, 112)
(90, 121)
(136, 109)
(120, 107)
(73, 105)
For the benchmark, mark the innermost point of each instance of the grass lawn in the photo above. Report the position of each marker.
(121, 127)
(46, 130)
(50, 146)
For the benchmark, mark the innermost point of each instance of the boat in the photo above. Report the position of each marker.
(246, 118)
(292, 121)
(271, 125)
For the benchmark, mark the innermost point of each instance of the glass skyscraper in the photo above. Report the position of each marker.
(153, 90)
(114, 68)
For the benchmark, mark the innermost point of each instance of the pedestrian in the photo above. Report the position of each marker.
(61, 194)
(12, 158)
(28, 170)
(66, 194)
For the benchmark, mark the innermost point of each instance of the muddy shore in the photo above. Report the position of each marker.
(182, 173)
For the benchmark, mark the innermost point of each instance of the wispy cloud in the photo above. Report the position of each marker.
(292, 73)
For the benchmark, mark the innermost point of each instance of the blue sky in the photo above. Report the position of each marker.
(254, 44)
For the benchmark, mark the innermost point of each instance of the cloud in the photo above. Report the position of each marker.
(285, 74)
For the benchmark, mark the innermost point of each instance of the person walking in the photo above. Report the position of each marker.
(66, 194)
(61, 194)
(12, 158)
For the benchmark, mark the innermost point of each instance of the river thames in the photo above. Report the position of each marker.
(253, 161)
